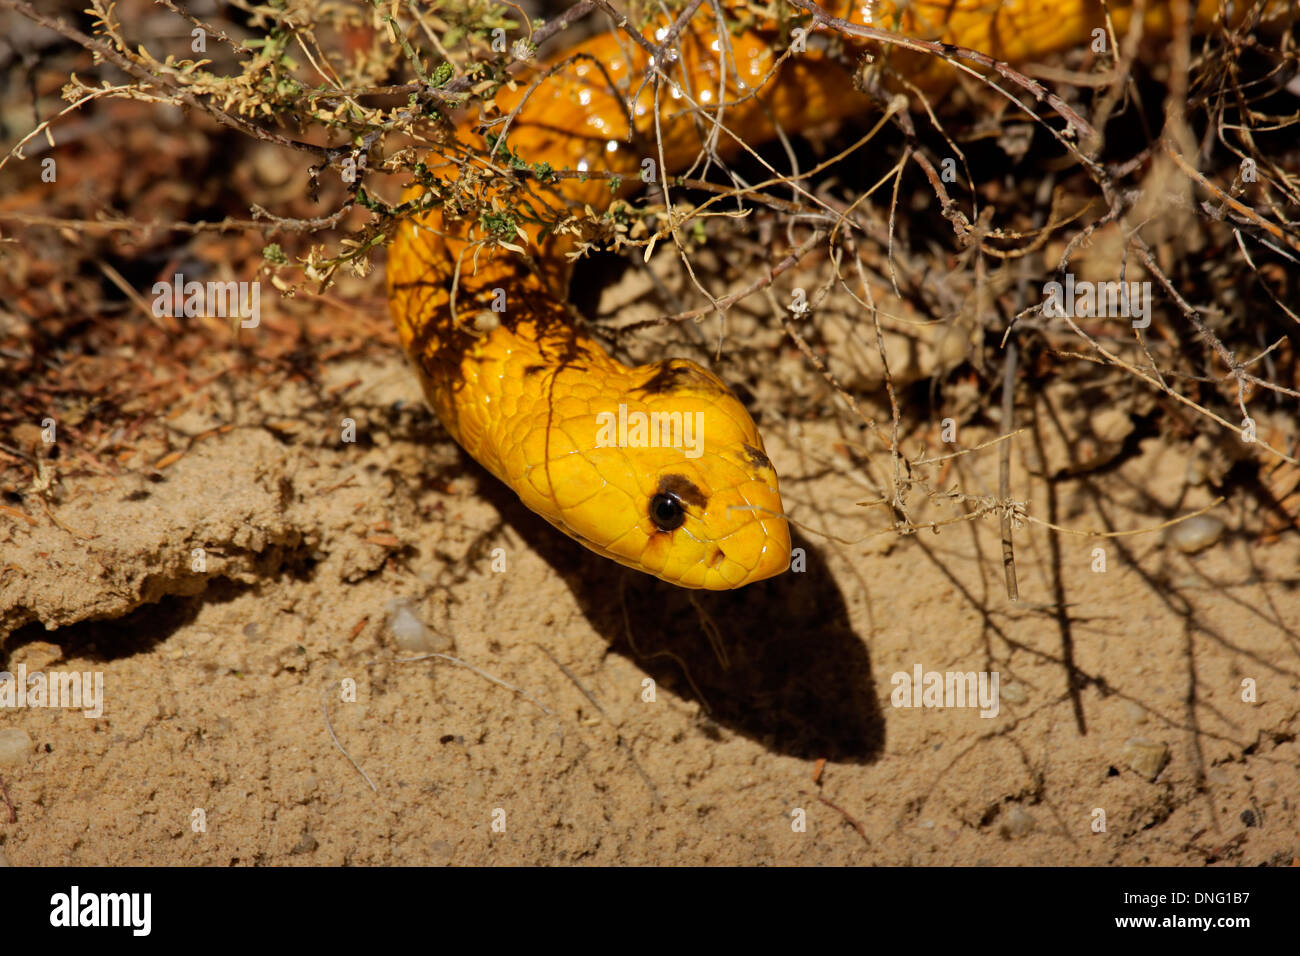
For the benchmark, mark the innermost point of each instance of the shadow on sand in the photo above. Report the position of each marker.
(798, 679)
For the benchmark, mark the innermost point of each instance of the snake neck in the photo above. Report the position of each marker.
(462, 290)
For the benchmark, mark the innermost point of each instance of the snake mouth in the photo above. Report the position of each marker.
(750, 551)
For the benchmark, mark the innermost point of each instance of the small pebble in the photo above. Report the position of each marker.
(307, 844)
(1147, 757)
(1013, 693)
(1195, 534)
(441, 853)
(1019, 823)
(409, 630)
(15, 747)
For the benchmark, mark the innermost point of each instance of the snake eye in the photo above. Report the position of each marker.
(666, 512)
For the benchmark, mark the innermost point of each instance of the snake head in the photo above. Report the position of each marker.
(663, 470)
(716, 524)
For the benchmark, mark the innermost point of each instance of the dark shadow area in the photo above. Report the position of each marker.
(798, 678)
(139, 632)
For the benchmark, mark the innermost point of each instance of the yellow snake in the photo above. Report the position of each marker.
(511, 373)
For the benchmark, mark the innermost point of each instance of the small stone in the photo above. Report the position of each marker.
(15, 747)
(1195, 534)
(406, 627)
(1145, 756)
(1013, 693)
(1135, 711)
(409, 631)
(307, 844)
(441, 853)
(1019, 823)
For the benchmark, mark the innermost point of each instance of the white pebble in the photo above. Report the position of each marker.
(15, 747)
(1019, 823)
(409, 631)
(405, 625)
(1195, 534)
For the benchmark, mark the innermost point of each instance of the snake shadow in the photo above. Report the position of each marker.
(798, 678)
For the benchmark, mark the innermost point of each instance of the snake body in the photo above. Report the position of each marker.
(480, 304)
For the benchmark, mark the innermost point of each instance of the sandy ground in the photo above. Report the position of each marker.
(622, 738)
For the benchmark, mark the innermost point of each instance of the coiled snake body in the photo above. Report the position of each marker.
(529, 394)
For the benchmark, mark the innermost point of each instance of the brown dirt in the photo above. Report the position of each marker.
(219, 685)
